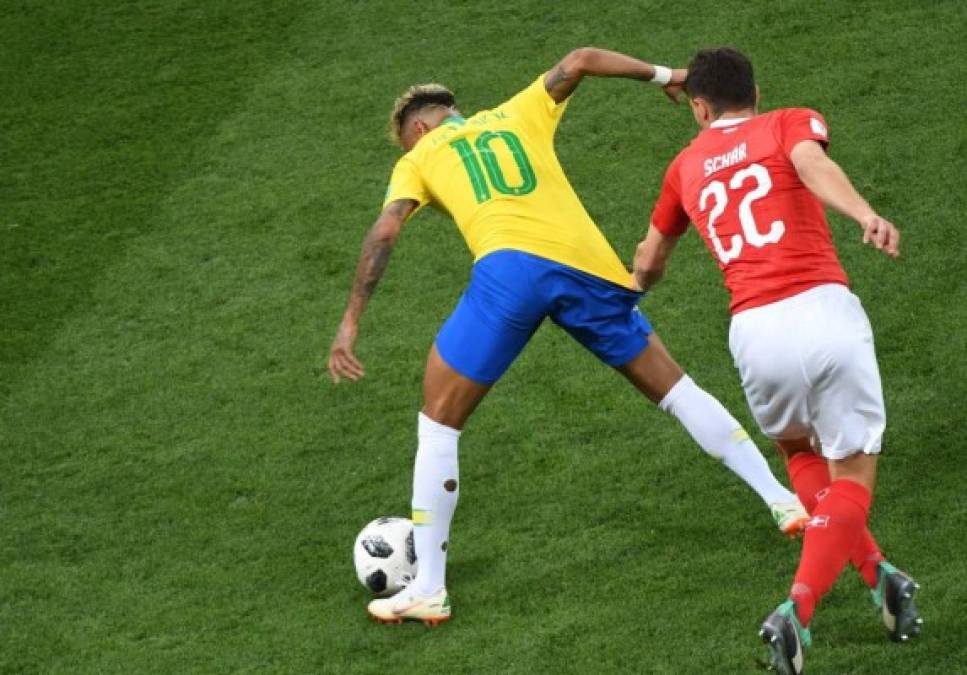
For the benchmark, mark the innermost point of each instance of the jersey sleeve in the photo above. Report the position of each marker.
(802, 124)
(406, 183)
(536, 107)
(669, 216)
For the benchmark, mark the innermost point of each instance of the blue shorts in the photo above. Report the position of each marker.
(509, 295)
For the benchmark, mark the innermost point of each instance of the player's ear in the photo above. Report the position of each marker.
(701, 111)
(418, 129)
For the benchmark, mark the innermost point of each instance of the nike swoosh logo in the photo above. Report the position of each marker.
(405, 608)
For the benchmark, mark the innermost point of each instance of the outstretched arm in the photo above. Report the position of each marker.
(373, 260)
(563, 79)
(650, 257)
(829, 182)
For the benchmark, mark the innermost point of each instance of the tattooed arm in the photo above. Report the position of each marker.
(564, 78)
(375, 255)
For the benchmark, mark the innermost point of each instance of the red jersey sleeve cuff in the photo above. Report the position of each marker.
(674, 227)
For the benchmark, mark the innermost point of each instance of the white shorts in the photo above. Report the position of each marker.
(809, 370)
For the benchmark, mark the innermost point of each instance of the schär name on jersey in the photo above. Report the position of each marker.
(725, 160)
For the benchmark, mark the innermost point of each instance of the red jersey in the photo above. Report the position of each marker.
(735, 181)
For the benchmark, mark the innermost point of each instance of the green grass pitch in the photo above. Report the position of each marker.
(183, 190)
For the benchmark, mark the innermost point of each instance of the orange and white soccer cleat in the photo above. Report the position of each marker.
(408, 606)
(791, 517)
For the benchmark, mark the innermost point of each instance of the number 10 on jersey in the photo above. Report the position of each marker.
(482, 150)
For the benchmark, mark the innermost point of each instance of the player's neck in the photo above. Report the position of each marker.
(743, 114)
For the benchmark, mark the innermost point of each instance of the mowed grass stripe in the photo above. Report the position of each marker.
(103, 116)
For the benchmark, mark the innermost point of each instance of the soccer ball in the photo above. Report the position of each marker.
(385, 556)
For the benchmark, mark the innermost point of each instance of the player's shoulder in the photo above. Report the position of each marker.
(534, 91)
(683, 154)
(533, 106)
(800, 122)
(697, 145)
(693, 147)
(409, 159)
(676, 167)
(792, 115)
(798, 111)
(412, 162)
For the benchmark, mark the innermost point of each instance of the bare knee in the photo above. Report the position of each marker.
(449, 397)
(653, 372)
(446, 411)
(858, 467)
(789, 447)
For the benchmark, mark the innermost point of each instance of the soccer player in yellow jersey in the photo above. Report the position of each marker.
(537, 255)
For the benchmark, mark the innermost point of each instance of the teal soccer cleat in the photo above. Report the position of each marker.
(894, 595)
(785, 639)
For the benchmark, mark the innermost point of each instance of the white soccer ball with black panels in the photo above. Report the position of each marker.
(385, 556)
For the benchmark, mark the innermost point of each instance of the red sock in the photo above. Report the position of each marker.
(866, 558)
(833, 533)
(809, 475)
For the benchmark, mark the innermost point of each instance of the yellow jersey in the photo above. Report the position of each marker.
(498, 177)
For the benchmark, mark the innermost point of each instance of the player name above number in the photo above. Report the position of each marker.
(725, 160)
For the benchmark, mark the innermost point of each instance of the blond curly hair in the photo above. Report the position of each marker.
(415, 98)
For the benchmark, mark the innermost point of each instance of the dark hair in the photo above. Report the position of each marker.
(414, 99)
(444, 98)
(723, 77)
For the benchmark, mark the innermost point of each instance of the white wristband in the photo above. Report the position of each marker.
(663, 75)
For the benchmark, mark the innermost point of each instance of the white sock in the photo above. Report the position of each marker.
(721, 436)
(435, 492)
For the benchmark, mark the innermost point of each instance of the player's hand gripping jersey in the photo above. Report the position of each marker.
(497, 175)
(768, 232)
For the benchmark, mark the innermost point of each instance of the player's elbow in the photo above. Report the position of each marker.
(819, 175)
(385, 230)
(577, 60)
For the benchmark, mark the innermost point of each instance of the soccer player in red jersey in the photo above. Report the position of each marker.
(755, 185)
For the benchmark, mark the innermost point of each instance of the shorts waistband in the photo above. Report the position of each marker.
(498, 257)
(798, 299)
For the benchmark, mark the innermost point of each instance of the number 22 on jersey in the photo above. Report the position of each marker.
(751, 234)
